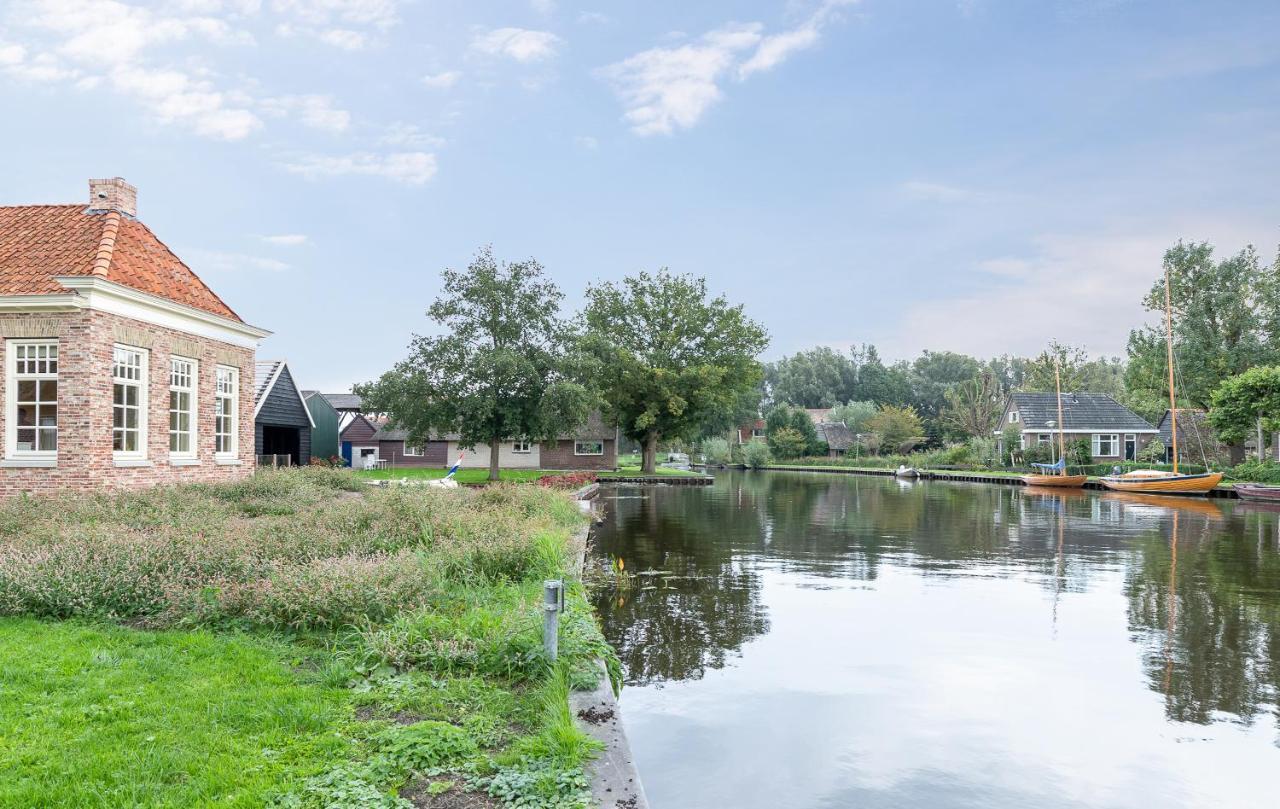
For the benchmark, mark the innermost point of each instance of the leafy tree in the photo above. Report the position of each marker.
(786, 417)
(974, 407)
(899, 428)
(668, 356)
(820, 377)
(880, 383)
(1225, 319)
(788, 443)
(1077, 371)
(755, 454)
(854, 415)
(934, 373)
(1242, 401)
(500, 372)
(1153, 452)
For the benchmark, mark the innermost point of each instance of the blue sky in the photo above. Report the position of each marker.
(974, 175)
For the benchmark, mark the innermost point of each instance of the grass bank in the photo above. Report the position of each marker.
(506, 475)
(292, 640)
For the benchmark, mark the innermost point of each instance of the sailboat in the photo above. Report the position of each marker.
(1156, 481)
(1055, 474)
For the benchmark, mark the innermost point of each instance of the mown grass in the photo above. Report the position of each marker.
(273, 623)
(462, 476)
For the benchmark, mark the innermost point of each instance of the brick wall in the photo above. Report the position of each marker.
(559, 455)
(86, 340)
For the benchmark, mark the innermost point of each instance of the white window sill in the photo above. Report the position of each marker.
(28, 463)
(131, 462)
(184, 461)
(228, 461)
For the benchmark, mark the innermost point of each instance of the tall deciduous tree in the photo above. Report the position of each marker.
(899, 428)
(1078, 372)
(973, 408)
(1242, 402)
(1225, 319)
(668, 355)
(500, 370)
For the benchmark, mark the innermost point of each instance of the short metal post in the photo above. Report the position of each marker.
(552, 606)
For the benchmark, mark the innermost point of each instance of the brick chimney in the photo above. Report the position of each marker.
(113, 195)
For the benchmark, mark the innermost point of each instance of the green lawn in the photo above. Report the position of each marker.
(100, 715)
(463, 475)
(298, 640)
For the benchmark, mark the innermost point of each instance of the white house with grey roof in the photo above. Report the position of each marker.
(1115, 432)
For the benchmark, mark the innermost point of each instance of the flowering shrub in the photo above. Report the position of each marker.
(288, 548)
(573, 480)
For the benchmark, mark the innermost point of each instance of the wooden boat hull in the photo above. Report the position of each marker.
(1163, 483)
(1056, 481)
(1258, 494)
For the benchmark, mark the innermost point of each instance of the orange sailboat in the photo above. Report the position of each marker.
(1155, 481)
(1056, 474)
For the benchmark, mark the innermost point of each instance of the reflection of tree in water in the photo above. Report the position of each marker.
(1207, 613)
(676, 627)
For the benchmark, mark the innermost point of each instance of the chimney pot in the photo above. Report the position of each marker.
(113, 194)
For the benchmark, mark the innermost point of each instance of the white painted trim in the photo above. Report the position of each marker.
(144, 405)
(194, 391)
(108, 296)
(228, 461)
(131, 462)
(271, 383)
(234, 452)
(28, 463)
(578, 441)
(178, 461)
(41, 303)
(1103, 430)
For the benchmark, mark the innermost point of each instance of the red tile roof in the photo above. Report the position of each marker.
(38, 243)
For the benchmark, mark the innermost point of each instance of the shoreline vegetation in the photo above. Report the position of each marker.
(297, 639)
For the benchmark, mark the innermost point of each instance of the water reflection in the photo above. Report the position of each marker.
(891, 644)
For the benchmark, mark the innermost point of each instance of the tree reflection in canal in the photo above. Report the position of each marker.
(1207, 628)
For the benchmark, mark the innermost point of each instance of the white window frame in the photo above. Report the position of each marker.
(1113, 439)
(232, 375)
(413, 450)
(757, 433)
(141, 383)
(1043, 439)
(521, 447)
(577, 448)
(11, 397)
(193, 406)
(1013, 416)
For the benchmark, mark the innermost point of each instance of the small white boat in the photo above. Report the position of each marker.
(907, 472)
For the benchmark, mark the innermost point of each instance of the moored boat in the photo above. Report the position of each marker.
(1258, 493)
(904, 471)
(1154, 481)
(1157, 481)
(1057, 481)
(1055, 474)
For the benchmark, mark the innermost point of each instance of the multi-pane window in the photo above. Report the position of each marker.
(33, 397)
(413, 450)
(522, 447)
(182, 406)
(226, 410)
(588, 447)
(1106, 446)
(1044, 439)
(129, 401)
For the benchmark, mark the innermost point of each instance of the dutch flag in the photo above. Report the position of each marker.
(455, 466)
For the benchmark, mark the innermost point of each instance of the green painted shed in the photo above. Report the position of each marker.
(324, 436)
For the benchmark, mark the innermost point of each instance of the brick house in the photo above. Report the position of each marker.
(1115, 433)
(122, 368)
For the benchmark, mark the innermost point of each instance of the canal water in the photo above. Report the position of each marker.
(815, 640)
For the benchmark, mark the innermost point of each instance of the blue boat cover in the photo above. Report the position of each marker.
(1052, 467)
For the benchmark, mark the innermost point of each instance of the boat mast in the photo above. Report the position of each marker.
(1168, 333)
(1062, 446)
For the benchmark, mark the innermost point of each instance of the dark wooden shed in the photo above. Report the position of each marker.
(282, 423)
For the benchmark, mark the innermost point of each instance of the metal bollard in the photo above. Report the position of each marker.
(552, 606)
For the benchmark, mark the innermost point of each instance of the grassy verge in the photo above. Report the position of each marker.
(289, 641)
(462, 476)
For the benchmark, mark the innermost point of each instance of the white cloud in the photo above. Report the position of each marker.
(593, 18)
(443, 80)
(343, 38)
(411, 168)
(543, 6)
(315, 111)
(669, 88)
(409, 136)
(286, 239)
(338, 23)
(220, 261)
(520, 44)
